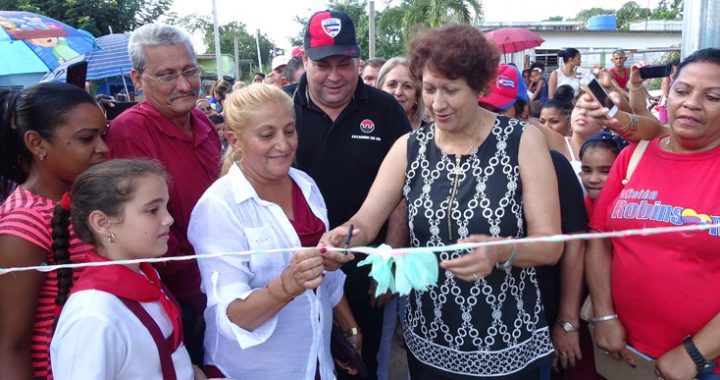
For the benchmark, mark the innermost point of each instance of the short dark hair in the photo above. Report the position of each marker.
(216, 119)
(710, 55)
(261, 75)
(292, 67)
(220, 89)
(562, 100)
(536, 107)
(603, 140)
(375, 62)
(455, 51)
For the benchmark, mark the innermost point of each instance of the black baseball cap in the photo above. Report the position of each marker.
(330, 33)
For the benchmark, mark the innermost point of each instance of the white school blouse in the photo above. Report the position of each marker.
(99, 338)
(230, 217)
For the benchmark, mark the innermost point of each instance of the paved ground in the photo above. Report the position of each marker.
(398, 363)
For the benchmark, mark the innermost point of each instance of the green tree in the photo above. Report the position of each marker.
(585, 14)
(390, 40)
(247, 48)
(357, 11)
(412, 15)
(630, 11)
(668, 10)
(554, 18)
(395, 25)
(298, 40)
(96, 17)
(435, 13)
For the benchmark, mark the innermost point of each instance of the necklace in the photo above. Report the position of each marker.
(456, 182)
(667, 145)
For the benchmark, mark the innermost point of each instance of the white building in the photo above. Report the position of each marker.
(647, 41)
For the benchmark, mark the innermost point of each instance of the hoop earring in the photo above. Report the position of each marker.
(111, 238)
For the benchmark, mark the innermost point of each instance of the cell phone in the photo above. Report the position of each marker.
(113, 112)
(656, 71)
(76, 74)
(590, 84)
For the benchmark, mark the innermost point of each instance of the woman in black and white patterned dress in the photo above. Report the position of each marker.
(475, 176)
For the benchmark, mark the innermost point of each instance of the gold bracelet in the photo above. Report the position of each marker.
(352, 332)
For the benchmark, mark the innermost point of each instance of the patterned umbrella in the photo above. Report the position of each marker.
(31, 43)
(511, 40)
(111, 60)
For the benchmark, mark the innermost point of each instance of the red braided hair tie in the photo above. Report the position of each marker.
(65, 201)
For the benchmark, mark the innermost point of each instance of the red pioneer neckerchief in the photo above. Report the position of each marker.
(126, 283)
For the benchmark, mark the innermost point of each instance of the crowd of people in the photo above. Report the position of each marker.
(441, 146)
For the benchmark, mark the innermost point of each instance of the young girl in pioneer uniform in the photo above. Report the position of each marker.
(118, 322)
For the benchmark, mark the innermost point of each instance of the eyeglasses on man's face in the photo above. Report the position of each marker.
(170, 77)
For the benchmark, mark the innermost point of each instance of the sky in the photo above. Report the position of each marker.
(275, 18)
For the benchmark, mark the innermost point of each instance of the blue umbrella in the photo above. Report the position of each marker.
(111, 60)
(31, 43)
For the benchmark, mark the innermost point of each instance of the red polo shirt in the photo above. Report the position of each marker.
(193, 164)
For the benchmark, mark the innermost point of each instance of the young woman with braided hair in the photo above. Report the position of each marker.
(49, 134)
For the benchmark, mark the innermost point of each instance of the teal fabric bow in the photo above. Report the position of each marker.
(417, 270)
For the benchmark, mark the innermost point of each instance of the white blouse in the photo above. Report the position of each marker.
(231, 217)
(99, 338)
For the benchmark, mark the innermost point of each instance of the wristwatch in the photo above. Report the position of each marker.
(567, 326)
(703, 365)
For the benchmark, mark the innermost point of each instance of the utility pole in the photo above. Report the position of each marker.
(371, 24)
(237, 58)
(216, 32)
(257, 43)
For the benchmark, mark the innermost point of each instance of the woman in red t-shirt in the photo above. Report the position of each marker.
(651, 292)
(49, 134)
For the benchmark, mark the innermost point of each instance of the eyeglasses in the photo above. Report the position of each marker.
(170, 78)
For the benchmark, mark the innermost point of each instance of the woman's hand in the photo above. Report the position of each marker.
(595, 110)
(337, 237)
(477, 264)
(611, 337)
(356, 342)
(676, 364)
(567, 347)
(636, 80)
(605, 78)
(305, 272)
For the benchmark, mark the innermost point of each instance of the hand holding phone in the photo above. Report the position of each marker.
(590, 84)
(655, 71)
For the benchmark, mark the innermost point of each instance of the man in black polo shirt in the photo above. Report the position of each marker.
(345, 128)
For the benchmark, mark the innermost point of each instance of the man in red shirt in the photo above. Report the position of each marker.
(621, 74)
(167, 127)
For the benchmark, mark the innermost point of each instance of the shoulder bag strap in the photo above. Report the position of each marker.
(635, 159)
